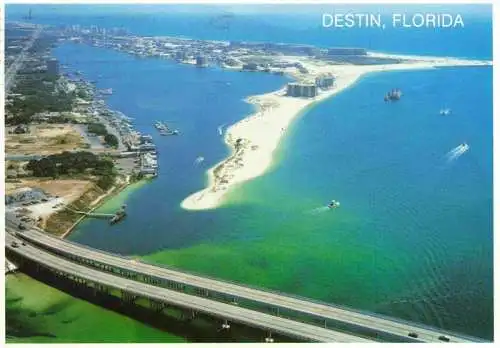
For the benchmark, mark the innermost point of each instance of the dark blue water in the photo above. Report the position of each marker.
(195, 101)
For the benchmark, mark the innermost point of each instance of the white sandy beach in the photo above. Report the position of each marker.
(254, 139)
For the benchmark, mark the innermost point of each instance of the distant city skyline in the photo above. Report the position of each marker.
(302, 9)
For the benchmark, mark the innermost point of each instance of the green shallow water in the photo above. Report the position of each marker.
(37, 313)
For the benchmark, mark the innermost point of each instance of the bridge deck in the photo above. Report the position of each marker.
(379, 324)
(224, 311)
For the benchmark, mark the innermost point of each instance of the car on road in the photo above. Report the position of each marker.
(14, 244)
(444, 338)
(413, 334)
(21, 227)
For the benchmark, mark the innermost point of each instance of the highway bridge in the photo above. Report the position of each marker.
(132, 290)
(227, 293)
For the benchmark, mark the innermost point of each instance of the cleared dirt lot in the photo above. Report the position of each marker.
(68, 189)
(44, 139)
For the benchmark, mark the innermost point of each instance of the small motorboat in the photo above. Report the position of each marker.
(334, 204)
(444, 112)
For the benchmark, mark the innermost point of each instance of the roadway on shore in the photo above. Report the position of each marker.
(18, 63)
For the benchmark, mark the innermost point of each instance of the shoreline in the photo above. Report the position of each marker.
(98, 202)
(103, 199)
(254, 139)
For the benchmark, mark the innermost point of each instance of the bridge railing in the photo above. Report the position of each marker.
(438, 331)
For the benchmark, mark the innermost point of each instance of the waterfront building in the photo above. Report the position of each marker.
(346, 51)
(181, 55)
(53, 67)
(325, 81)
(250, 66)
(201, 61)
(309, 90)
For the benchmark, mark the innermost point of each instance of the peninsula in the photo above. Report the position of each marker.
(254, 139)
(319, 73)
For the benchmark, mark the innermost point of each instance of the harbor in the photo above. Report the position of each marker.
(131, 143)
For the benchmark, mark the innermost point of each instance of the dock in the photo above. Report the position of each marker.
(94, 215)
(113, 218)
(164, 129)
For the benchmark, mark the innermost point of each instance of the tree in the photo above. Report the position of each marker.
(111, 140)
(97, 128)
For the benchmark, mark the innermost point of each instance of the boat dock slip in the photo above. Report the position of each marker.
(306, 307)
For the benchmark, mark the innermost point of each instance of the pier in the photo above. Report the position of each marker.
(90, 214)
(113, 218)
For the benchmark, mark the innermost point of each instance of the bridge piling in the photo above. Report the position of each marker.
(269, 338)
(127, 297)
(156, 305)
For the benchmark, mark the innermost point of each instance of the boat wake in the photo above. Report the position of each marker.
(219, 129)
(457, 152)
(317, 211)
(198, 160)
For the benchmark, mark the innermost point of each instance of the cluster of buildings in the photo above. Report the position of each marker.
(147, 156)
(17, 37)
(199, 52)
(149, 164)
(310, 89)
(93, 30)
(301, 89)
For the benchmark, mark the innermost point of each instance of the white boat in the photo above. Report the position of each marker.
(444, 112)
(107, 91)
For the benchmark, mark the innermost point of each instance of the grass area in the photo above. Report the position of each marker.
(61, 221)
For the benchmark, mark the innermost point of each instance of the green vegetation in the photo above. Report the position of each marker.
(134, 177)
(111, 140)
(37, 93)
(97, 129)
(71, 163)
(100, 129)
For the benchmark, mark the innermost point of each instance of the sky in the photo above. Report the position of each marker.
(476, 9)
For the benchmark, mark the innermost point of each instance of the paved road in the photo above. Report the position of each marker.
(23, 157)
(93, 141)
(18, 63)
(228, 312)
(380, 324)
